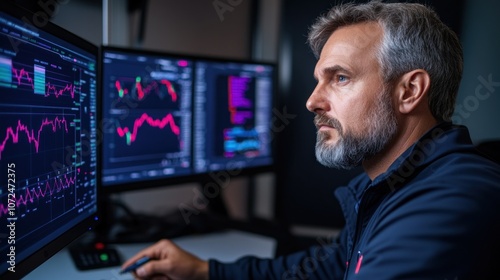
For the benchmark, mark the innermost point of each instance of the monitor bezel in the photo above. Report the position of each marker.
(193, 177)
(27, 265)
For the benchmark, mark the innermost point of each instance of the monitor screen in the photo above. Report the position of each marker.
(146, 117)
(48, 139)
(233, 104)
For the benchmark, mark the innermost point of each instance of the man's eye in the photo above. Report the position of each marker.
(341, 79)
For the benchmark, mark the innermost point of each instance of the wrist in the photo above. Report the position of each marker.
(203, 271)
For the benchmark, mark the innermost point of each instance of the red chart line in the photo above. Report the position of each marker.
(33, 136)
(131, 135)
(142, 92)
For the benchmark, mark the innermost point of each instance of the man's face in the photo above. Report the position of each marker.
(354, 114)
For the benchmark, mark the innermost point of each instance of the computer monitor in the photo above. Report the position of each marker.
(233, 105)
(146, 118)
(48, 139)
(171, 118)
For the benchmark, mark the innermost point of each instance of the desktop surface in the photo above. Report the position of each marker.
(225, 246)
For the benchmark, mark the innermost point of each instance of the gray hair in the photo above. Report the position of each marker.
(414, 38)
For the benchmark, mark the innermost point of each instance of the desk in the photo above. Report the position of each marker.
(224, 246)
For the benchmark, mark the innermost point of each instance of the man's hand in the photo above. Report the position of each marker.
(169, 262)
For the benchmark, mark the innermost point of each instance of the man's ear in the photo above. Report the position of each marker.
(412, 90)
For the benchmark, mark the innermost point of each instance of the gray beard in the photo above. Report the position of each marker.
(350, 150)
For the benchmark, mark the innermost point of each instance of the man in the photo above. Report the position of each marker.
(427, 205)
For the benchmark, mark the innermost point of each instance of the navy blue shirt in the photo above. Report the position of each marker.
(434, 214)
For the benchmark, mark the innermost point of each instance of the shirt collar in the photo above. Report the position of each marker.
(442, 139)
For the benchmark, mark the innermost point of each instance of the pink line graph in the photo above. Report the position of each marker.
(145, 118)
(33, 136)
(51, 187)
(58, 92)
(20, 74)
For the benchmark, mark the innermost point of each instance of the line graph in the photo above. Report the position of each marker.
(131, 134)
(49, 104)
(33, 136)
(46, 189)
(53, 90)
(36, 80)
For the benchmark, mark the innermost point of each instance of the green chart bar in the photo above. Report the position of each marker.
(39, 80)
(5, 72)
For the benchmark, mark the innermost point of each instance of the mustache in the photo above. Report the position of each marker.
(320, 120)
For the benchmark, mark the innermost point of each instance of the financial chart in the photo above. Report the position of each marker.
(147, 115)
(233, 105)
(47, 134)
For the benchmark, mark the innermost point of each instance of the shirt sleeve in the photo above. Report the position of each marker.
(326, 260)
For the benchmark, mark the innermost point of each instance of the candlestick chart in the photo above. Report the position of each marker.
(147, 118)
(149, 93)
(147, 104)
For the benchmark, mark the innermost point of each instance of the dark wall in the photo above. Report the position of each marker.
(305, 188)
